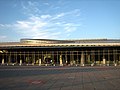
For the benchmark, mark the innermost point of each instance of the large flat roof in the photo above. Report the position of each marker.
(61, 43)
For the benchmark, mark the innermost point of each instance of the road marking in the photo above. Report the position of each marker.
(36, 82)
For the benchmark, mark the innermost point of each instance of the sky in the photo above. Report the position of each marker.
(59, 19)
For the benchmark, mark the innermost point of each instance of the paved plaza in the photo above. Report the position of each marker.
(59, 78)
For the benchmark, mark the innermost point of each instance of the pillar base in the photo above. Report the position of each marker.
(61, 64)
(39, 64)
(115, 64)
(92, 64)
(2, 61)
(104, 64)
(104, 61)
(82, 64)
(20, 62)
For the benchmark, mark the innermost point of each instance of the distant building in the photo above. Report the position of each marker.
(46, 52)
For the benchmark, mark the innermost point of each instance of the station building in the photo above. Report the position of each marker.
(46, 52)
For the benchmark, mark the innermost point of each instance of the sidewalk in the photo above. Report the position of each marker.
(60, 78)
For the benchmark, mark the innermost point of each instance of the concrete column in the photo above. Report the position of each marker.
(44, 58)
(104, 61)
(93, 58)
(77, 58)
(116, 58)
(40, 62)
(57, 58)
(3, 61)
(26, 60)
(61, 63)
(108, 62)
(99, 57)
(88, 58)
(33, 63)
(9, 59)
(16, 57)
(53, 58)
(20, 62)
(24, 57)
(33, 58)
(66, 58)
(82, 59)
(119, 59)
(71, 58)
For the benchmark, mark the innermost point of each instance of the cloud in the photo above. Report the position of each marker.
(2, 25)
(46, 3)
(42, 25)
(3, 37)
(45, 16)
(30, 8)
(70, 27)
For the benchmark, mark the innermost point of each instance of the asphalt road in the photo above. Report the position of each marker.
(59, 78)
